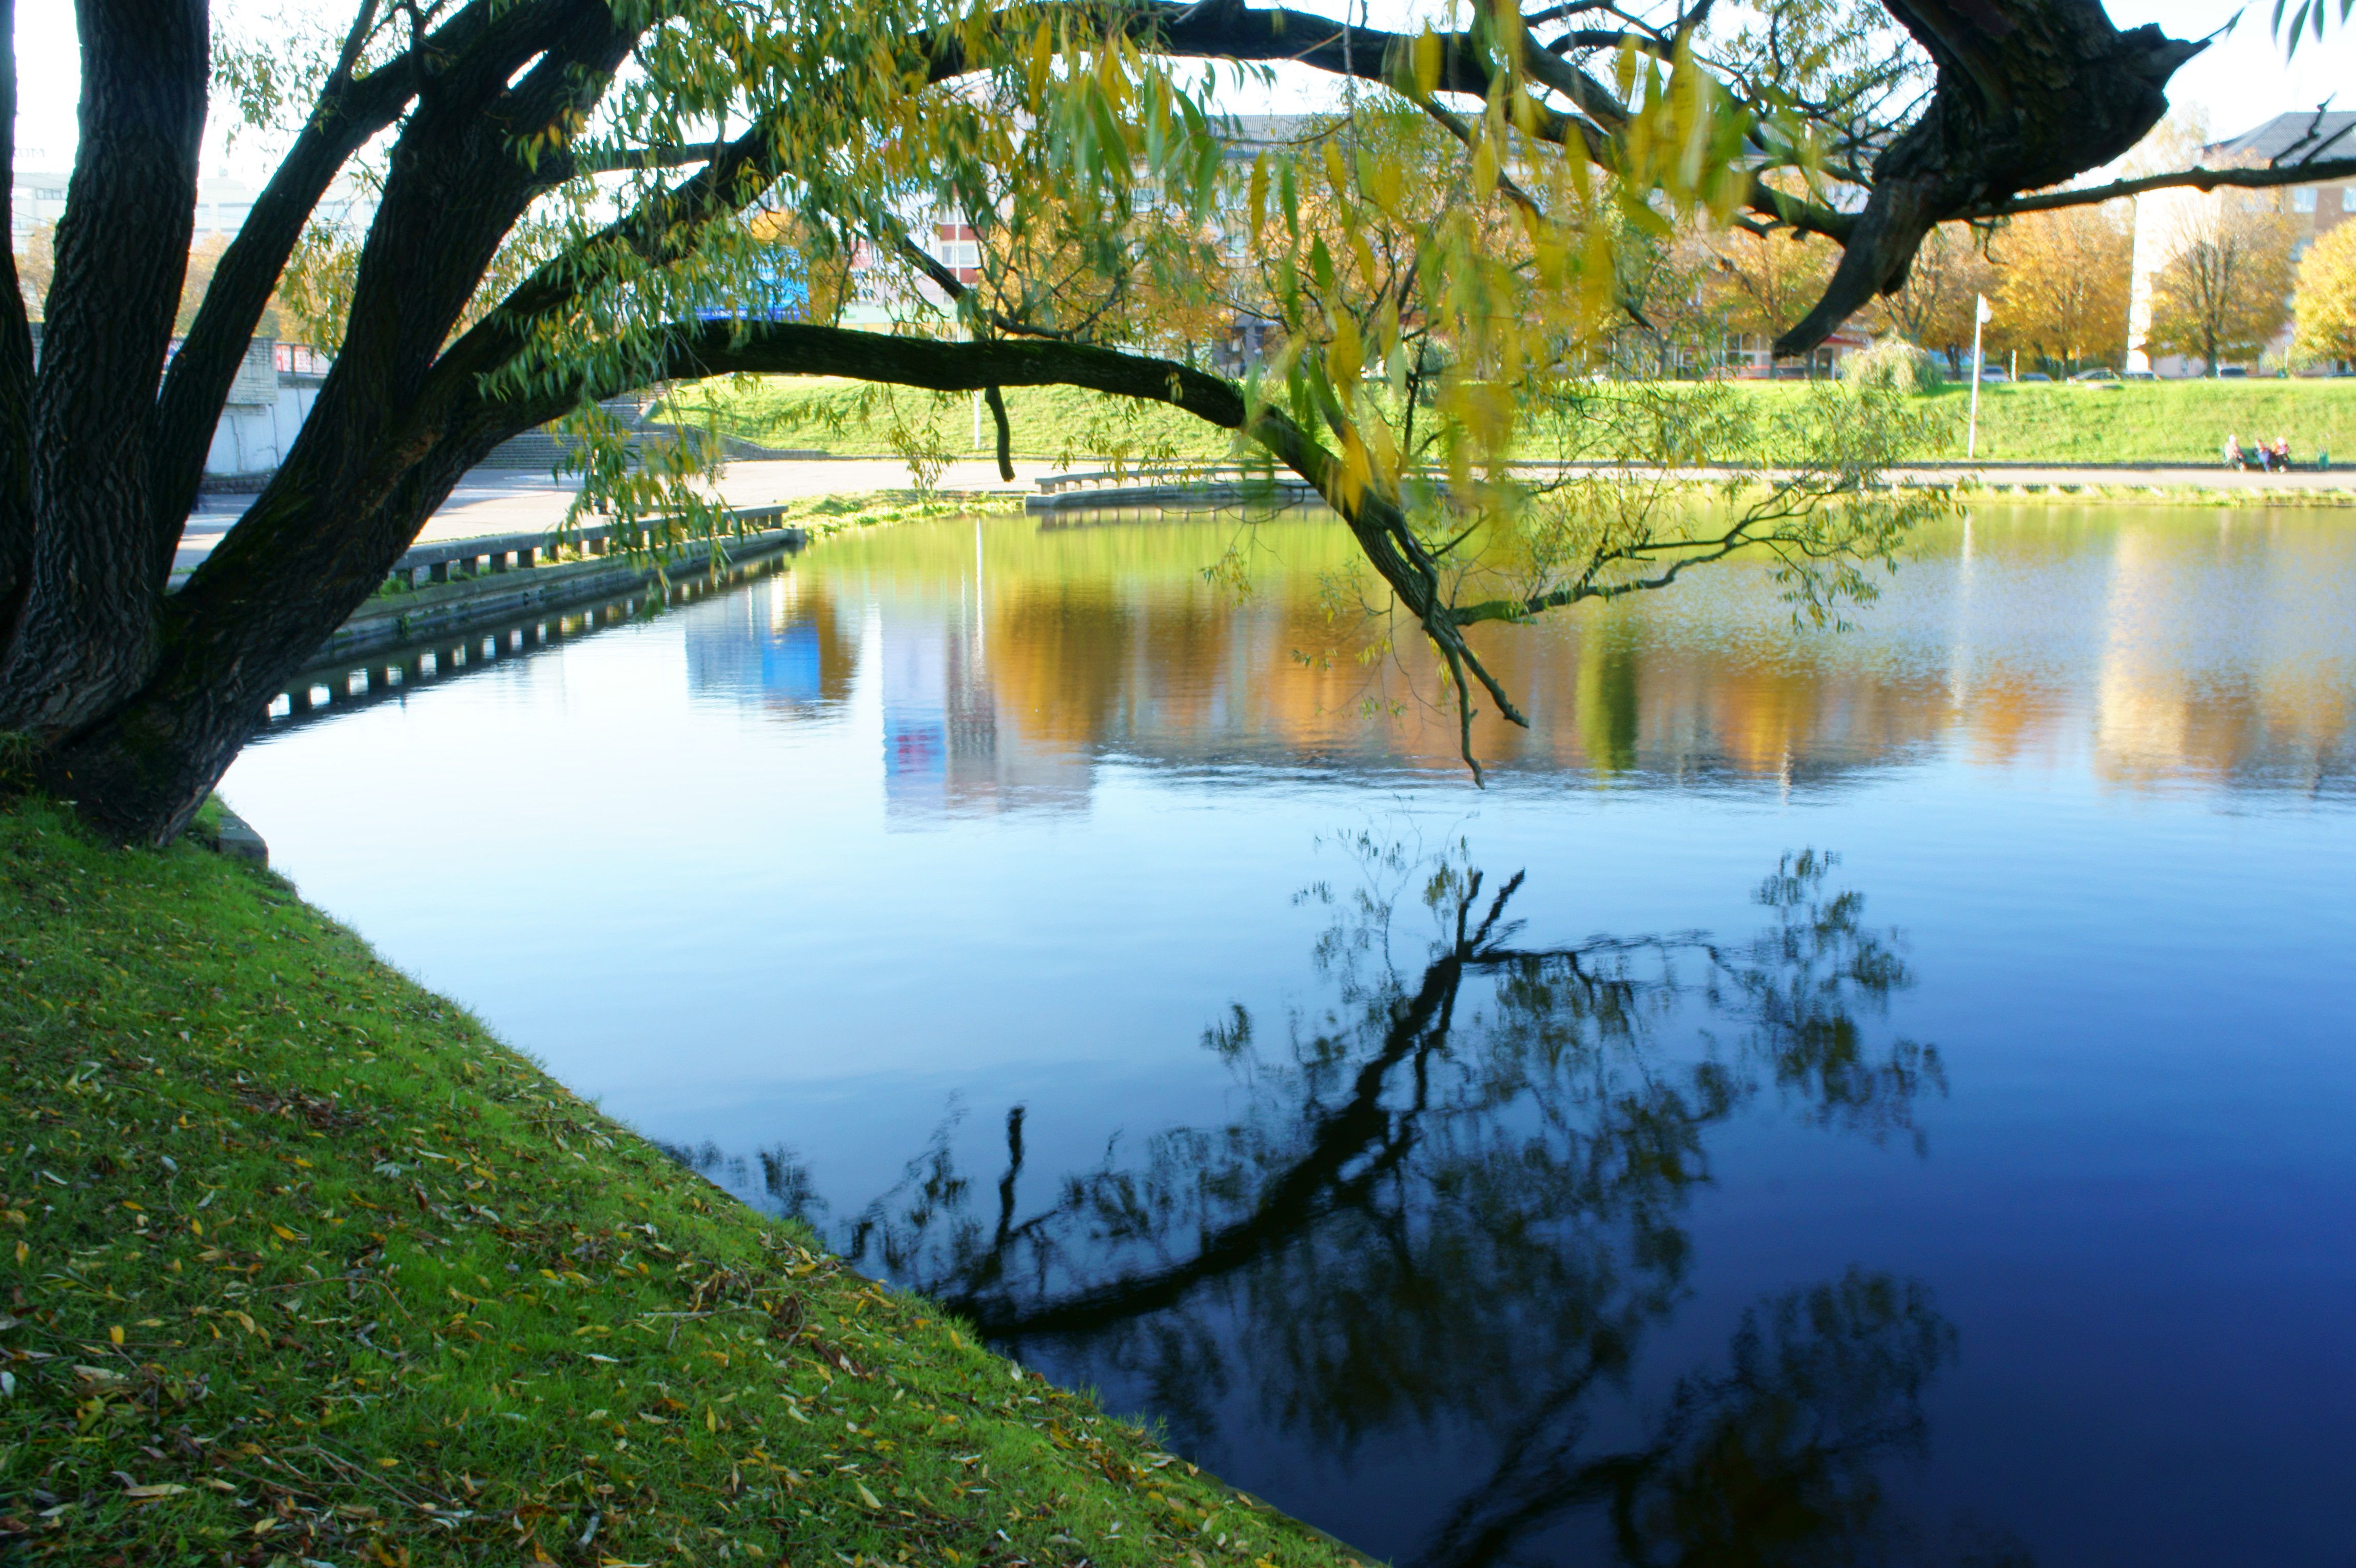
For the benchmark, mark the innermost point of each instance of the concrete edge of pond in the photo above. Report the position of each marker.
(454, 607)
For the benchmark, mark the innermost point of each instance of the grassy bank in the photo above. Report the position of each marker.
(302, 1266)
(2144, 422)
(2158, 422)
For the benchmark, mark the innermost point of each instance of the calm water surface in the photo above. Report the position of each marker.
(1886, 1097)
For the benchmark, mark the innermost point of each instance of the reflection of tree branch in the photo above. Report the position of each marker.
(1446, 1205)
(1776, 1450)
(1793, 982)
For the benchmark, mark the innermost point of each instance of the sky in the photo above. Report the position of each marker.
(2240, 82)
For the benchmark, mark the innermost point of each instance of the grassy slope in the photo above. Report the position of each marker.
(301, 1264)
(2145, 422)
(2148, 422)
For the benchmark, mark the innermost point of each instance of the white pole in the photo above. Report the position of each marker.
(977, 421)
(1972, 428)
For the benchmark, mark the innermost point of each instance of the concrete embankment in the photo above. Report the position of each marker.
(1128, 490)
(477, 582)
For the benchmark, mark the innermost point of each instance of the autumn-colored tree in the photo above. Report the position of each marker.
(1765, 283)
(2223, 290)
(35, 267)
(2065, 278)
(1934, 307)
(2327, 299)
(1674, 317)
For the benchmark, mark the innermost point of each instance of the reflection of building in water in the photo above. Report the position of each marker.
(2224, 654)
(1005, 659)
(779, 646)
(945, 747)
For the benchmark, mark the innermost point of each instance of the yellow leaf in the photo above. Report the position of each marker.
(21, 1250)
(867, 1497)
(388, 1462)
(115, 1334)
(284, 1233)
(1427, 62)
(164, 1490)
(711, 1418)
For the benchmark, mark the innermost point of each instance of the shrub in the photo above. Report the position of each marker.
(1894, 364)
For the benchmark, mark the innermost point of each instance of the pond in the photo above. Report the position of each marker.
(1884, 1095)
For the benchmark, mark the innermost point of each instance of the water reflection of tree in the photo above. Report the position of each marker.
(1456, 1195)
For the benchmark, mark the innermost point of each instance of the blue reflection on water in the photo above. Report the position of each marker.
(828, 878)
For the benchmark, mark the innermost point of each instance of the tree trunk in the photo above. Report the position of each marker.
(85, 638)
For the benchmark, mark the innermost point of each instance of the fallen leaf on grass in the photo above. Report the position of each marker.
(867, 1497)
(162, 1490)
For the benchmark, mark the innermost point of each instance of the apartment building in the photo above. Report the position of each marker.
(2164, 217)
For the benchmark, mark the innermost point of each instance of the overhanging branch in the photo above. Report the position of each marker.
(2196, 178)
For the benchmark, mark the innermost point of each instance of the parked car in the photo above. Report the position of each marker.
(2232, 372)
(2035, 376)
(1993, 373)
(2140, 376)
(2099, 373)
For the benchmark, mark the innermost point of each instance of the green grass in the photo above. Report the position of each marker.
(1051, 422)
(301, 1265)
(2158, 421)
(2154, 421)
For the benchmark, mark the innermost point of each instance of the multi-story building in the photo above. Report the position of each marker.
(37, 198)
(2164, 217)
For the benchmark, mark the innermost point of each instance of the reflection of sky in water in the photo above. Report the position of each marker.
(953, 819)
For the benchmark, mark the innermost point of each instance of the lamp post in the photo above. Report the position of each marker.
(1981, 314)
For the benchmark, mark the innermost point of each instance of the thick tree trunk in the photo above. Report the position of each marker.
(138, 701)
(86, 637)
(15, 368)
(139, 773)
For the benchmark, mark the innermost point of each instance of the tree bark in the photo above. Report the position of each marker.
(2028, 93)
(86, 638)
(379, 450)
(15, 368)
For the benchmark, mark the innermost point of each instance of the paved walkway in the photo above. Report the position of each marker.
(500, 501)
(495, 500)
(2208, 476)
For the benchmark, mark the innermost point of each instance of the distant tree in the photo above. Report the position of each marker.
(2065, 278)
(1672, 317)
(1933, 308)
(2327, 299)
(35, 267)
(2223, 290)
(1766, 282)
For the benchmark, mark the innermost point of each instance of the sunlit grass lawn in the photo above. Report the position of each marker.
(2142, 422)
(302, 1266)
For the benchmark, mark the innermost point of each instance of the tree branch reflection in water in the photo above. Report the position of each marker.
(1455, 1195)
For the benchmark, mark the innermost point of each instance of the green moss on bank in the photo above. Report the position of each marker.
(301, 1265)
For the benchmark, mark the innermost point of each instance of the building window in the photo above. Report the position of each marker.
(2348, 199)
(2303, 198)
